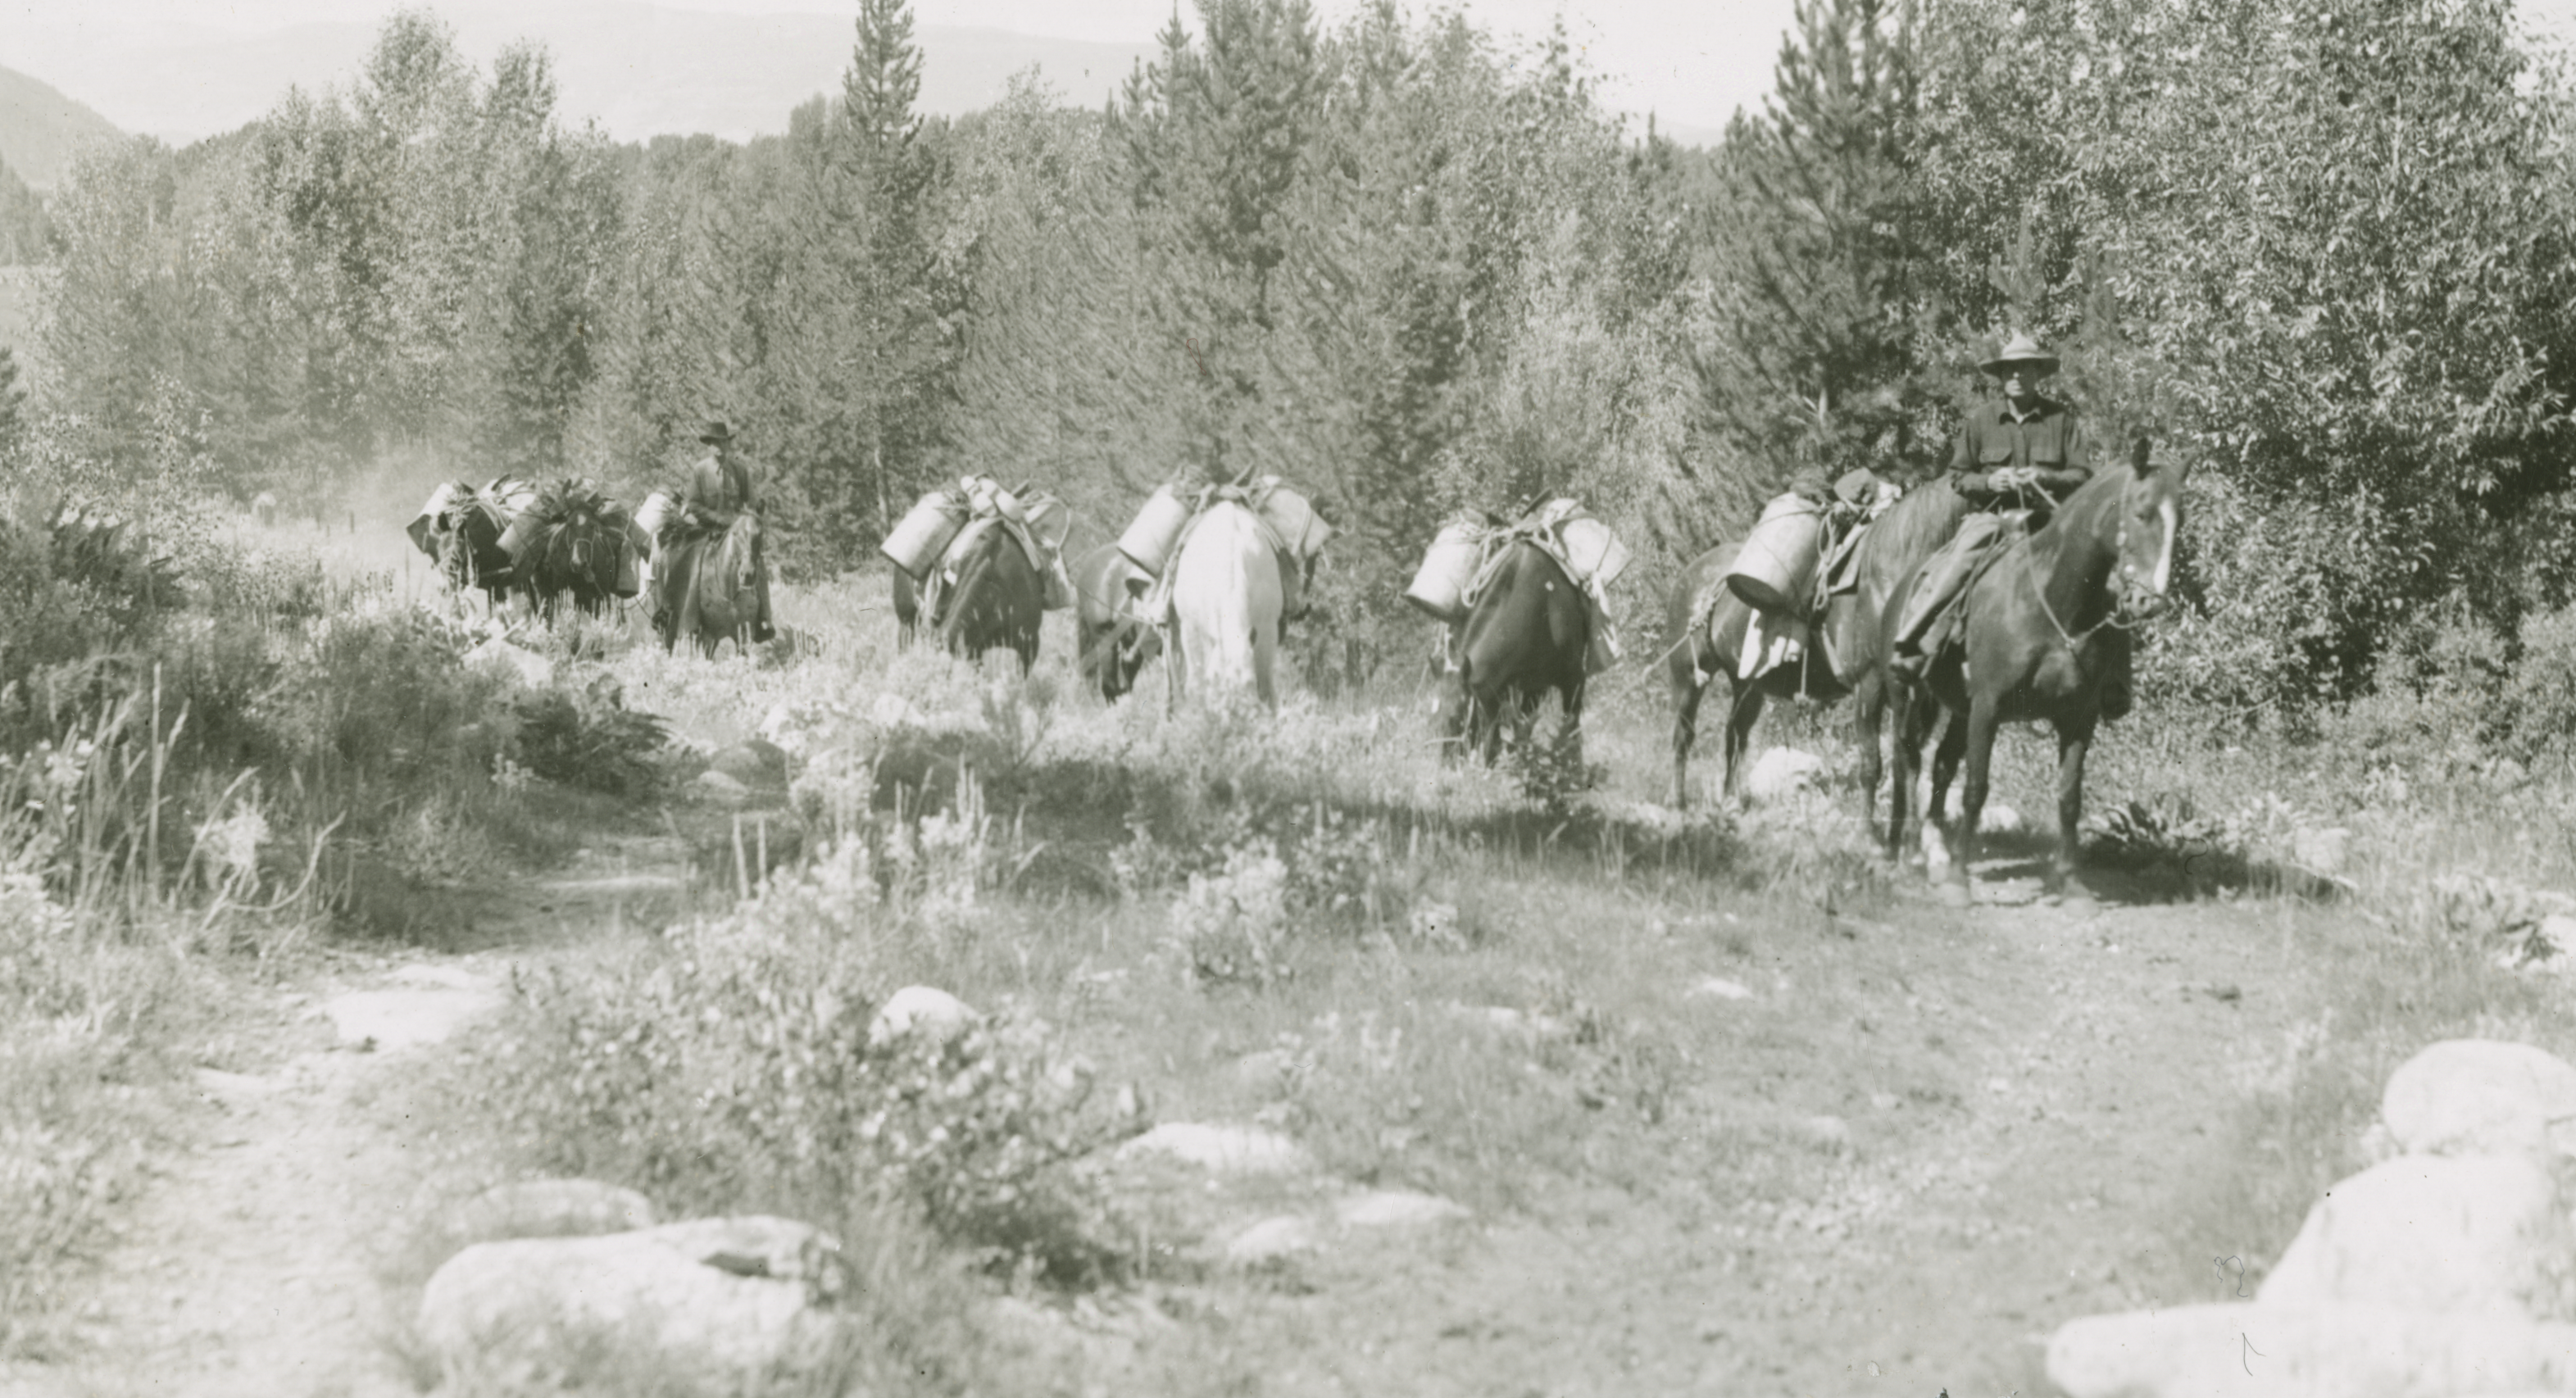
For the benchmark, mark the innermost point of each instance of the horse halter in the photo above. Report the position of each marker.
(2124, 584)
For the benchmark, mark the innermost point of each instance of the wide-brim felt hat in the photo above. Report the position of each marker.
(2021, 349)
(718, 430)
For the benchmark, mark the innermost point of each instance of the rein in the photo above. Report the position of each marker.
(2116, 584)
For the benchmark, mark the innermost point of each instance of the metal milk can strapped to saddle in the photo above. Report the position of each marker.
(1776, 568)
(1287, 519)
(944, 523)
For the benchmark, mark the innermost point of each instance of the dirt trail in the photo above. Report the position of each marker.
(255, 1265)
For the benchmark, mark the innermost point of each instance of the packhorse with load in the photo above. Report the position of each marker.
(983, 564)
(1526, 602)
(1773, 614)
(1230, 565)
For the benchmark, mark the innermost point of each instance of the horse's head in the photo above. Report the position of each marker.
(2150, 528)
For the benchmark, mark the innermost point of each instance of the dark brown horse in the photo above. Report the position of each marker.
(1527, 634)
(1112, 641)
(2047, 623)
(907, 610)
(997, 600)
(1912, 530)
(1709, 651)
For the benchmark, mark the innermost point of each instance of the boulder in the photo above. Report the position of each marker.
(528, 667)
(2482, 1097)
(722, 1304)
(921, 1010)
(758, 764)
(2258, 1350)
(1397, 1208)
(722, 789)
(1224, 1150)
(547, 1209)
(2479, 1234)
(1271, 1240)
(1778, 772)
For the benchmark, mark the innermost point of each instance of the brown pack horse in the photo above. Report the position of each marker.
(714, 588)
(1710, 651)
(1527, 635)
(2046, 627)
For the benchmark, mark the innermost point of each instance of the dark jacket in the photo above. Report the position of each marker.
(1992, 438)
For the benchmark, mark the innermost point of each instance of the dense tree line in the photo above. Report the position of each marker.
(2317, 246)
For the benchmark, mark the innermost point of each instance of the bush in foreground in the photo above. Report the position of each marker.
(733, 1066)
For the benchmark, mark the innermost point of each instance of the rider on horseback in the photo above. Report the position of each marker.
(2018, 456)
(720, 489)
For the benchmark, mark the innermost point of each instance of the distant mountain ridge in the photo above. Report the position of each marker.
(638, 68)
(42, 131)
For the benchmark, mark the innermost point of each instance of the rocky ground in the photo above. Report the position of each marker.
(2000, 1142)
(269, 1256)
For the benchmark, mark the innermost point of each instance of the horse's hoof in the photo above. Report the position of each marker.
(1953, 894)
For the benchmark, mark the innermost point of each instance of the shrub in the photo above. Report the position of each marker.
(2538, 712)
(735, 1064)
(588, 738)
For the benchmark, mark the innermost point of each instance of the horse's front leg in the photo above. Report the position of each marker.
(1945, 763)
(1983, 718)
(1743, 710)
(1685, 732)
(1570, 731)
(2073, 741)
(1869, 706)
(1904, 756)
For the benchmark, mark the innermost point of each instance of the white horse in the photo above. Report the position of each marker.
(1226, 595)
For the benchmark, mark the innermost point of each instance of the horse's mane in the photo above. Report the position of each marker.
(2103, 491)
(1922, 520)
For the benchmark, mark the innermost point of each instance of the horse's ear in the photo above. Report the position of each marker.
(2142, 455)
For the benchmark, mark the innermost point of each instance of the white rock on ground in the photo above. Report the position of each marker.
(1224, 1150)
(921, 1010)
(716, 1302)
(756, 763)
(1778, 772)
(2254, 1350)
(1396, 1208)
(2482, 1097)
(2467, 1234)
(392, 1020)
(1270, 1240)
(531, 669)
(1717, 988)
(547, 1209)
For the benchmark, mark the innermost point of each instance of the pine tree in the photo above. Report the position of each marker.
(1817, 269)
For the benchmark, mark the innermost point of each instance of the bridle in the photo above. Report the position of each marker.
(2123, 583)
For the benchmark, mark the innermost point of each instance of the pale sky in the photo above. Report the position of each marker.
(1692, 62)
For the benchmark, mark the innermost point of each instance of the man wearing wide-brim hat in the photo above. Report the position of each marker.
(2018, 455)
(720, 489)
